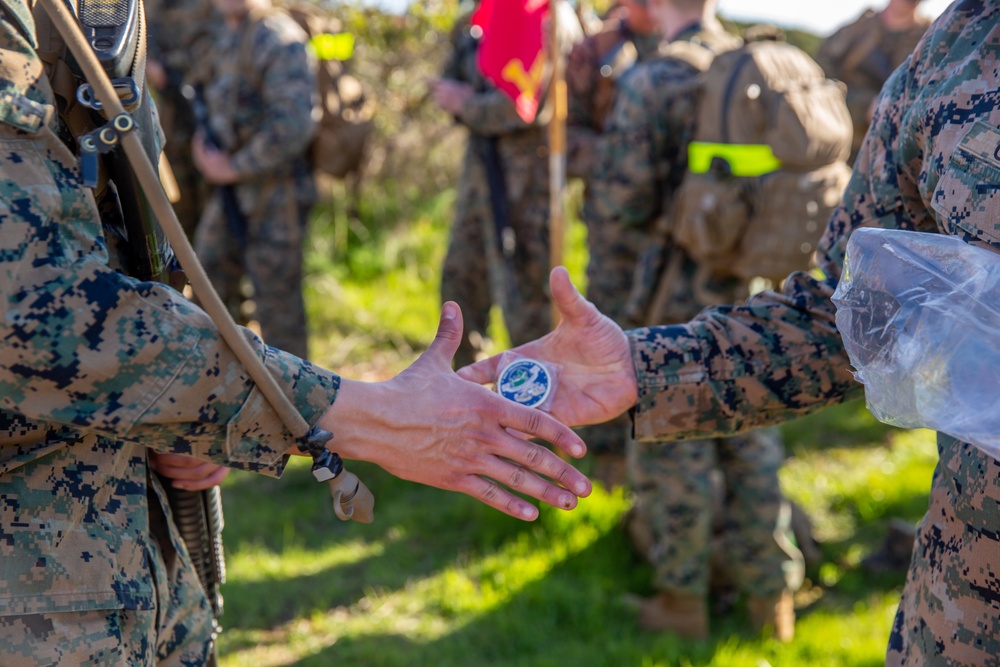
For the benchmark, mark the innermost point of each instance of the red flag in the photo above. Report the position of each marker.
(510, 51)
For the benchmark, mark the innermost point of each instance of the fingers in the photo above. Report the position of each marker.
(523, 466)
(214, 479)
(185, 472)
(496, 483)
(481, 372)
(499, 498)
(567, 483)
(538, 424)
(449, 335)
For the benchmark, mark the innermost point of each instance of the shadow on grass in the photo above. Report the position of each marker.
(420, 531)
(576, 616)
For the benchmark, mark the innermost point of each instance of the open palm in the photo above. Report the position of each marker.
(597, 381)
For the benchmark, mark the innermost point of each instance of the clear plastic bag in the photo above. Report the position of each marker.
(920, 317)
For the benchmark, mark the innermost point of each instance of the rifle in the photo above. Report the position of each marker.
(235, 220)
(116, 32)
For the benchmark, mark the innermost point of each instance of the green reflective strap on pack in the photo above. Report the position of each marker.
(332, 47)
(743, 159)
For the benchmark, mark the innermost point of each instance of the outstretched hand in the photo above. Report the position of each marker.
(597, 381)
(430, 426)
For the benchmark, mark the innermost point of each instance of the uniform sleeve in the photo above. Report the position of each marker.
(288, 89)
(780, 356)
(84, 346)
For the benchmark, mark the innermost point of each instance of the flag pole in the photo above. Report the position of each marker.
(557, 147)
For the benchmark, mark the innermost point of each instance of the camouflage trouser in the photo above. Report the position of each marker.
(272, 259)
(949, 613)
(672, 484)
(177, 632)
(465, 277)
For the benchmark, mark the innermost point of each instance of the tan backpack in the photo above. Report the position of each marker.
(345, 123)
(767, 164)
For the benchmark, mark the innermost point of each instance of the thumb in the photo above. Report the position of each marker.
(449, 335)
(571, 304)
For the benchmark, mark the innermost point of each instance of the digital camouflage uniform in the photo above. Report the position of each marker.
(95, 368)
(930, 163)
(261, 96)
(469, 271)
(593, 69)
(180, 33)
(643, 161)
(863, 54)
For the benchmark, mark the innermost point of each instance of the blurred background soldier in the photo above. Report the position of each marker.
(863, 54)
(260, 97)
(593, 69)
(502, 208)
(643, 161)
(180, 34)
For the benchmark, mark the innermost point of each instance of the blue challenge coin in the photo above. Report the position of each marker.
(526, 382)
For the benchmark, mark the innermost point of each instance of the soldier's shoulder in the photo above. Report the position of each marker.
(849, 31)
(716, 39)
(654, 78)
(597, 44)
(961, 29)
(866, 18)
(678, 61)
(277, 27)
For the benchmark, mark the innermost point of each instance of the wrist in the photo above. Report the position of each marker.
(352, 419)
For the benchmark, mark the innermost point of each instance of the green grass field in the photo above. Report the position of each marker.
(440, 579)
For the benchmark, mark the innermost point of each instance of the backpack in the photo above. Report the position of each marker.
(766, 166)
(345, 124)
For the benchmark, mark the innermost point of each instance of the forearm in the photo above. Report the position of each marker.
(139, 362)
(732, 369)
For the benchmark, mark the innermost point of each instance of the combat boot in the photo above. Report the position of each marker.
(682, 614)
(775, 613)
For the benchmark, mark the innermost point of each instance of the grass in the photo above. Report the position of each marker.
(440, 579)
